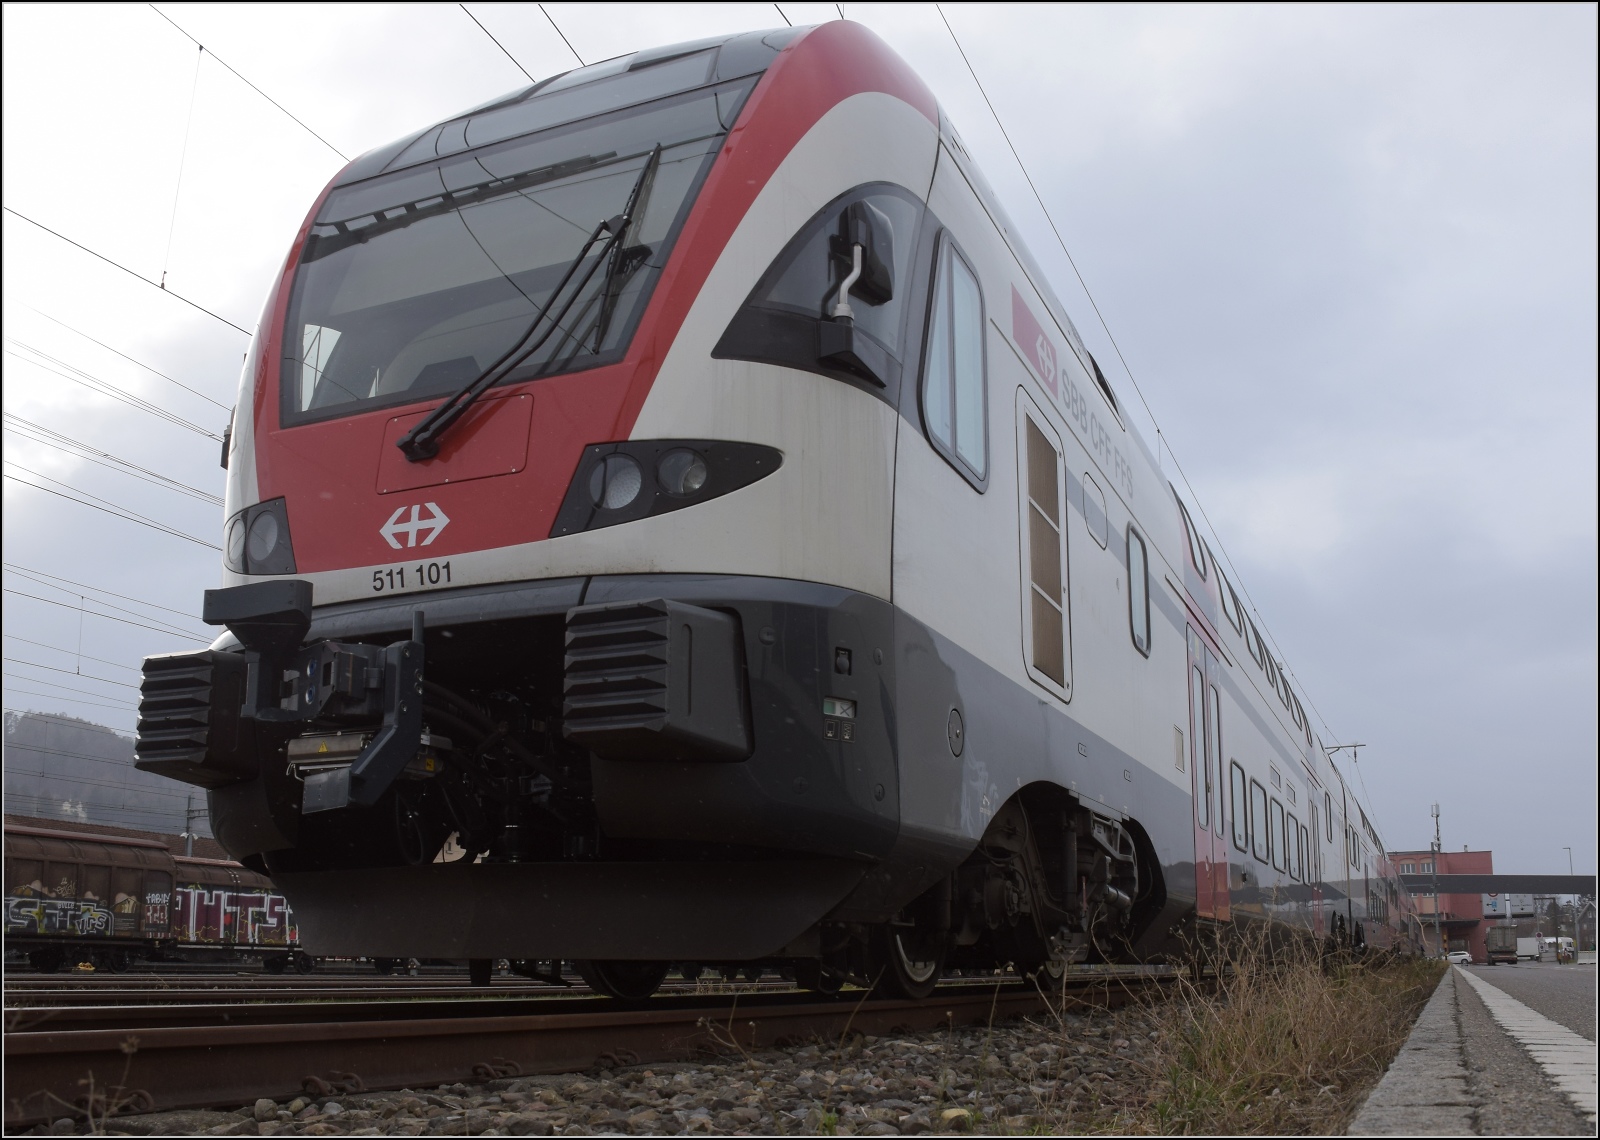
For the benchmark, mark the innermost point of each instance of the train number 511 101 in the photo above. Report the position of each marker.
(411, 577)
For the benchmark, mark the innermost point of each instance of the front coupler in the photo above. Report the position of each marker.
(206, 718)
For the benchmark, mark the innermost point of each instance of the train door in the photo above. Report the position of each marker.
(1205, 767)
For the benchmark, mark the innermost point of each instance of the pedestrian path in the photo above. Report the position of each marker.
(1483, 1063)
(1567, 1059)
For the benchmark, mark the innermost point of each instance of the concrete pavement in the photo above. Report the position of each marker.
(1481, 1062)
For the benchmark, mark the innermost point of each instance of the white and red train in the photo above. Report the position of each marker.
(676, 482)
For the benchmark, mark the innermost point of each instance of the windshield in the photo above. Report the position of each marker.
(411, 284)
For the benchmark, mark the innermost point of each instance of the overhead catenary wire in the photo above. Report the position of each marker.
(1161, 436)
(69, 722)
(70, 672)
(784, 18)
(250, 85)
(69, 446)
(82, 781)
(563, 35)
(112, 761)
(108, 506)
(183, 155)
(106, 388)
(497, 43)
(129, 359)
(124, 268)
(58, 685)
(30, 572)
(122, 707)
(125, 815)
(108, 617)
(71, 652)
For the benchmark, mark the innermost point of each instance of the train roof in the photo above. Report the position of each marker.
(579, 94)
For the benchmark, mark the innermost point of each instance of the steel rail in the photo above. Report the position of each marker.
(156, 1066)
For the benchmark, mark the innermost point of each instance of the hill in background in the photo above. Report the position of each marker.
(63, 767)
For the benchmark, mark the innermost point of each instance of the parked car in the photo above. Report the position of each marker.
(1459, 957)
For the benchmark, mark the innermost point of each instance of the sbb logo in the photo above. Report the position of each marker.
(414, 524)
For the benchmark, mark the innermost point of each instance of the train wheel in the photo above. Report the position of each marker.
(628, 981)
(303, 963)
(908, 961)
(48, 960)
(384, 966)
(1048, 976)
(479, 971)
(114, 961)
(275, 963)
(690, 971)
(810, 974)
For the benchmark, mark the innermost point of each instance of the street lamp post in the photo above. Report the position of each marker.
(1438, 847)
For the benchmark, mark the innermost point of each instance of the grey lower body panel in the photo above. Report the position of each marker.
(710, 912)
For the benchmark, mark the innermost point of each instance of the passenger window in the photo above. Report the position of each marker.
(1094, 510)
(954, 388)
(1138, 592)
(1241, 816)
(1279, 850)
(1258, 820)
(1327, 811)
(1214, 751)
(1292, 846)
(1252, 642)
(1202, 766)
(1291, 793)
(1230, 602)
(1306, 870)
(1277, 780)
(1046, 630)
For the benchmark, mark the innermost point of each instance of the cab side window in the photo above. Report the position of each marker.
(955, 405)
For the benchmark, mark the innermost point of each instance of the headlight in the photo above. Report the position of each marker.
(615, 482)
(233, 544)
(681, 471)
(620, 482)
(256, 540)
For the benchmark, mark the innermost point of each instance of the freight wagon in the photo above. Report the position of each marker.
(108, 900)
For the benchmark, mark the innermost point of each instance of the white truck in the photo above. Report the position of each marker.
(1530, 949)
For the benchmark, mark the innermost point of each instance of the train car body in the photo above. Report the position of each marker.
(677, 482)
(109, 900)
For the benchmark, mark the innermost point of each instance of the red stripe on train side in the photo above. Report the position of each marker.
(326, 470)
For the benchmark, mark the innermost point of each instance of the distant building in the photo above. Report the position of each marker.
(1461, 917)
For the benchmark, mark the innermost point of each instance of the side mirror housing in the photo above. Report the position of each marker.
(865, 225)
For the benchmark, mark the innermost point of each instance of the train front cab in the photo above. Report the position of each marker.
(719, 642)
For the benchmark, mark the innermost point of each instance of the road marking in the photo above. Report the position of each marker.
(1566, 1058)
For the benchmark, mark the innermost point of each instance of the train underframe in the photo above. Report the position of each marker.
(633, 773)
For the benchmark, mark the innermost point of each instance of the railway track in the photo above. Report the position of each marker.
(158, 1057)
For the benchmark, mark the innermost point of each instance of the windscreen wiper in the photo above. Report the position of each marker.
(360, 228)
(626, 258)
(422, 441)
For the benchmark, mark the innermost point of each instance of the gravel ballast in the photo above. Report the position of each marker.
(1041, 1074)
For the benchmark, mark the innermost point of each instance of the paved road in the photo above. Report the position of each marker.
(1564, 994)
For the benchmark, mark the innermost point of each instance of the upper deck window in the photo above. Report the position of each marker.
(1196, 544)
(412, 284)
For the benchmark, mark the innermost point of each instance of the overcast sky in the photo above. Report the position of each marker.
(1347, 253)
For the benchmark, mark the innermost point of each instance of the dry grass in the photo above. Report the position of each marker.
(1283, 1044)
